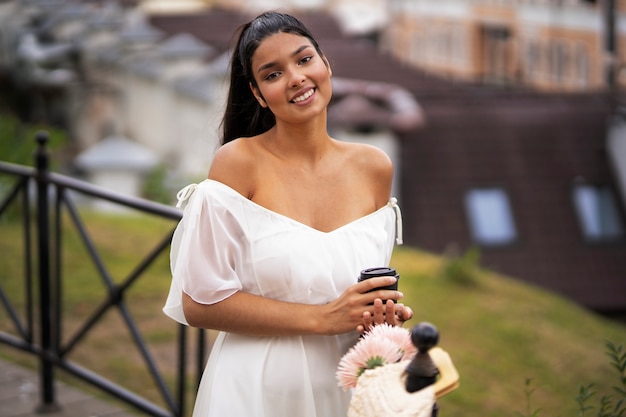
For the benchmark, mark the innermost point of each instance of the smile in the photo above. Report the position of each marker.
(303, 96)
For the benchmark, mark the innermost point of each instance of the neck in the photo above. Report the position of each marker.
(304, 143)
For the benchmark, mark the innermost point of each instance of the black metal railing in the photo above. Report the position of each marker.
(39, 328)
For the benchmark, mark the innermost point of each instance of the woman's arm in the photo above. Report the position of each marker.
(255, 315)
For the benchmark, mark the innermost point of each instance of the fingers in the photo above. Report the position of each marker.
(369, 320)
(377, 287)
(383, 313)
(377, 282)
(407, 313)
(389, 312)
(402, 314)
(379, 313)
(368, 323)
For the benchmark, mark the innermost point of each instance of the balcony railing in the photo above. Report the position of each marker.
(44, 196)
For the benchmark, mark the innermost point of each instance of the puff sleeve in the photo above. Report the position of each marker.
(205, 251)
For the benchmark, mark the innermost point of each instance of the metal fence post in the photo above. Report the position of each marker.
(42, 163)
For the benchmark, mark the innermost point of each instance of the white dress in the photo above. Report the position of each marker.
(226, 243)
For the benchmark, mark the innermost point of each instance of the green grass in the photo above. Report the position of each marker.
(122, 241)
(499, 332)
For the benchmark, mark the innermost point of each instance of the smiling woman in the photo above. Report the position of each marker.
(270, 246)
(300, 77)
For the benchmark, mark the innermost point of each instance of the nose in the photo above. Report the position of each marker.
(297, 77)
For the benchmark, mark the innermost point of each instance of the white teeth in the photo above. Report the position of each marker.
(303, 96)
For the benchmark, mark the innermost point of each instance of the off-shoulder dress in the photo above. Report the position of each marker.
(226, 243)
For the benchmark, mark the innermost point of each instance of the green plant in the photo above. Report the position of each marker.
(154, 187)
(617, 355)
(17, 140)
(17, 146)
(584, 394)
(607, 408)
(528, 392)
(462, 269)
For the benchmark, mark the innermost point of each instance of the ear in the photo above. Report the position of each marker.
(257, 95)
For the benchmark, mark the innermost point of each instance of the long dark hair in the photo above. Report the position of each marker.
(244, 117)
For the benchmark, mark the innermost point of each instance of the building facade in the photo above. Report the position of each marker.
(550, 45)
(523, 153)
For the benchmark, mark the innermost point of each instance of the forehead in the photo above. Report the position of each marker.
(279, 45)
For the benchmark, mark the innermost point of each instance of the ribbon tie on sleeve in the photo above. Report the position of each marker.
(393, 202)
(184, 194)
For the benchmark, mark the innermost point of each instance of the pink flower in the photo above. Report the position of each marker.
(398, 336)
(382, 345)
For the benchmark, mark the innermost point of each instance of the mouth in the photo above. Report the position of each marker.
(302, 97)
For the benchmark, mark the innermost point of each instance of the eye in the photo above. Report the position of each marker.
(305, 59)
(271, 75)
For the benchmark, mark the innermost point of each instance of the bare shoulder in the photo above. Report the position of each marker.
(374, 158)
(374, 166)
(234, 165)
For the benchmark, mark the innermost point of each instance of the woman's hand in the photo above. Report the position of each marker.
(346, 312)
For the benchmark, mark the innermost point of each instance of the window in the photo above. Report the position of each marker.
(532, 60)
(598, 213)
(497, 44)
(560, 61)
(581, 62)
(490, 216)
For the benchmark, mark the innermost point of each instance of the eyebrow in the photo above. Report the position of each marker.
(273, 63)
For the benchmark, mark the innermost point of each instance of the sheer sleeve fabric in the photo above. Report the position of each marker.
(206, 248)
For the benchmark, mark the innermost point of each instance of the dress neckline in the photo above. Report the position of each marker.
(184, 194)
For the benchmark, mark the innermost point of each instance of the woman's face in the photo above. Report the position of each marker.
(293, 79)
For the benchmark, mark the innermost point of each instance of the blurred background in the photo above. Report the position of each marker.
(504, 118)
